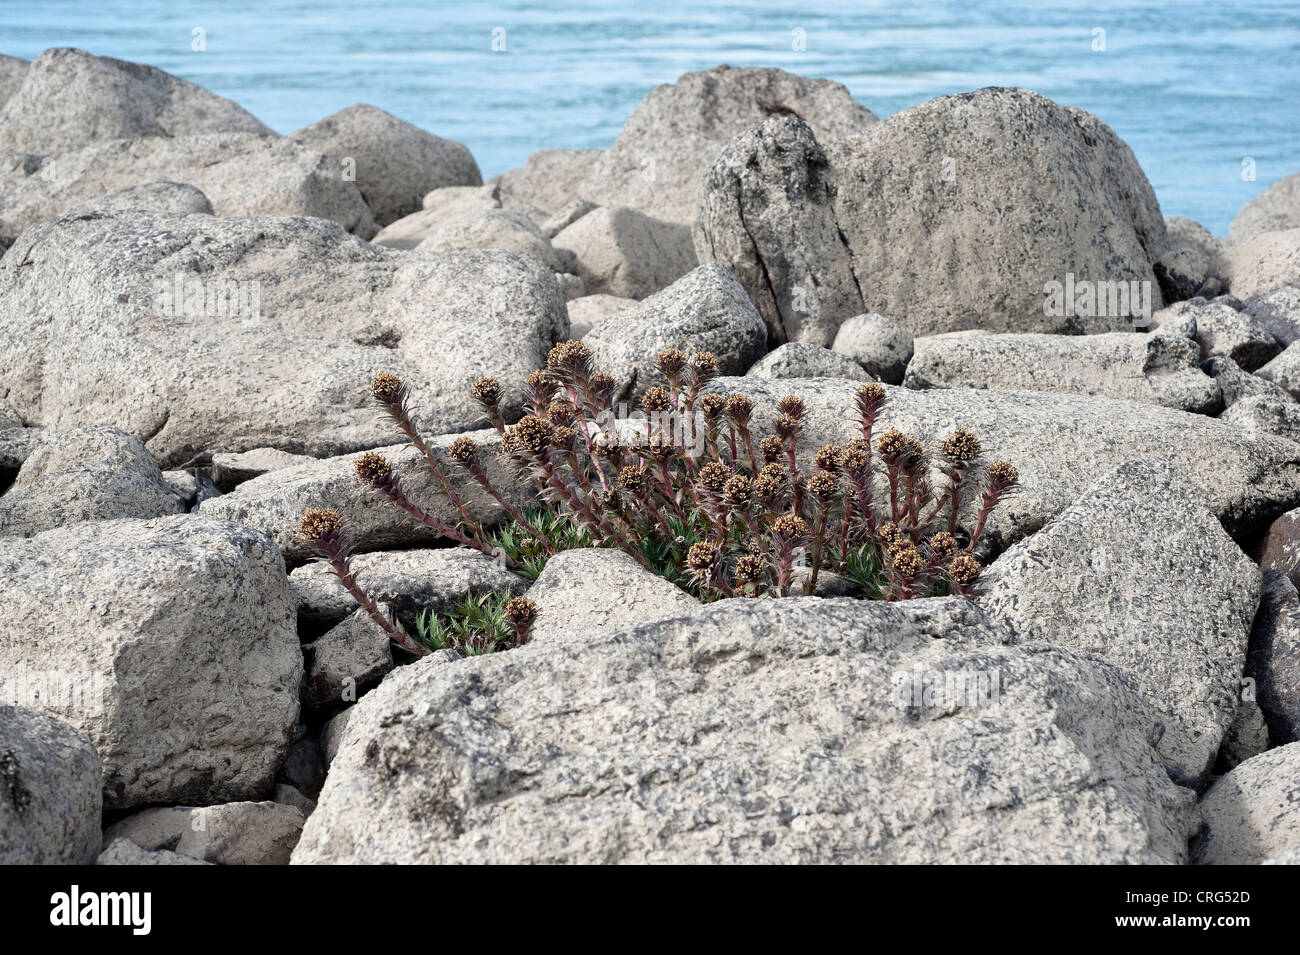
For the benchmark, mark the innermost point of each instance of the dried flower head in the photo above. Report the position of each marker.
(532, 433)
(907, 560)
(487, 392)
(964, 569)
(787, 426)
(561, 414)
(772, 449)
(701, 556)
(571, 356)
(748, 569)
(563, 438)
(522, 613)
(321, 524)
(1003, 474)
(960, 446)
(671, 361)
(713, 404)
(387, 388)
(602, 388)
(739, 408)
(705, 365)
(656, 400)
(824, 486)
(463, 451)
(891, 535)
(714, 476)
(373, 469)
(790, 526)
(829, 457)
(870, 398)
(892, 445)
(539, 388)
(791, 405)
(632, 478)
(737, 492)
(856, 459)
(943, 545)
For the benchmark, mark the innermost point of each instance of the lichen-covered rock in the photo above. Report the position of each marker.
(12, 71)
(51, 793)
(805, 360)
(755, 731)
(229, 470)
(176, 642)
(1263, 264)
(1156, 369)
(1274, 209)
(1268, 414)
(1253, 813)
(1236, 385)
(1274, 657)
(393, 163)
(1138, 573)
(620, 251)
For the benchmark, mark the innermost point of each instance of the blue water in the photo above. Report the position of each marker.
(1193, 87)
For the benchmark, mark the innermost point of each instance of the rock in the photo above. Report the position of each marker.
(275, 502)
(704, 310)
(1155, 369)
(754, 731)
(1138, 573)
(236, 833)
(566, 216)
(1224, 331)
(1246, 737)
(331, 736)
(1274, 658)
(12, 71)
(176, 641)
(1191, 261)
(877, 344)
(410, 582)
(50, 790)
(1236, 385)
(394, 163)
(546, 183)
(241, 174)
(495, 229)
(70, 99)
(571, 287)
(1264, 264)
(994, 209)
(678, 130)
(152, 197)
(16, 445)
(126, 852)
(287, 795)
(1280, 549)
(594, 590)
(1253, 813)
(95, 329)
(1265, 413)
(588, 311)
(1284, 370)
(804, 360)
(10, 419)
(620, 251)
(1059, 443)
(191, 487)
(347, 661)
(1279, 313)
(1287, 857)
(449, 204)
(1172, 321)
(86, 474)
(1273, 210)
(304, 769)
(229, 470)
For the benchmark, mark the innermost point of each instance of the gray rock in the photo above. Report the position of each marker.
(805, 360)
(1224, 331)
(1284, 370)
(1155, 369)
(1274, 658)
(1279, 313)
(304, 768)
(620, 251)
(954, 214)
(10, 419)
(331, 736)
(1280, 549)
(126, 852)
(754, 731)
(704, 310)
(1253, 813)
(678, 130)
(1192, 260)
(1286, 857)
(546, 183)
(1274, 209)
(594, 590)
(448, 204)
(495, 229)
(51, 795)
(94, 329)
(236, 833)
(287, 795)
(877, 344)
(12, 71)
(347, 661)
(1269, 414)
(1175, 322)
(229, 470)
(70, 99)
(410, 582)
(588, 311)
(395, 164)
(192, 487)
(152, 197)
(1138, 573)
(1269, 261)
(1246, 737)
(1236, 385)
(175, 644)
(566, 216)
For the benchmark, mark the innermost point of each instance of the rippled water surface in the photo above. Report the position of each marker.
(1195, 88)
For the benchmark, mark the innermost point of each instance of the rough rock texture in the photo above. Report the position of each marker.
(1236, 385)
(448, 204)
(331, 737)
(12, 71)
(408, 581)
(1223, 331)
(231, 470)
(1263, 264)
(495, 229)
(1157, 369)
(152, 197)
(1253, 813)
(595, 590)
(350, 659)
(395, 163)
(1274, 209)
(1280, 549)
(236, 833)
(1138, 573)
(1265, 413)
(705, 310)
(51, 794)
(620, 251)
(95, 332)
(1279, 313)
(952, 214)
(126, 852)
(1245, 738)
(1060, 443)
(546, 183)
(1274, 657)
(753, 731)
(1192, 260)
(176, 638)
(242, 174)
(587, 312)
(1284, 370)
(804, 360)
(679, 129)
(70, 99)
(877, 344)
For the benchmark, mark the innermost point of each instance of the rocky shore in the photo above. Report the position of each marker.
(193, 308)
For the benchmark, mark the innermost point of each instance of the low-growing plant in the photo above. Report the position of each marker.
(479, 624)
(693, 494)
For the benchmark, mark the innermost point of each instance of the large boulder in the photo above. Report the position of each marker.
(12, 71)
(1158, 369)
(1193, 260)
(242, 174)
(795, 730)
(546, 183)
(199, 334)
(236, 833)
(1222, 331)
(994, 209)
(176, 643)
(1253, 813)
(1274, 209)
(1279, 313)
(677, 131)
(495, 229)
(620, 251)
(51, 793)
(877, 344)
(395, 164)
(1138, 573)
(804, 360)
(71, 98)
(151, 197)
(1263, 264)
